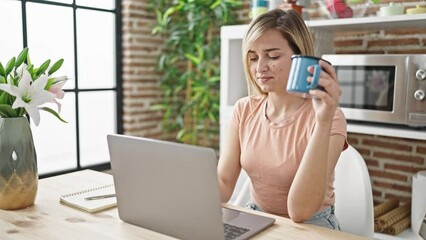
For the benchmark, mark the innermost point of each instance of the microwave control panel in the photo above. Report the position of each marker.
(416, 98)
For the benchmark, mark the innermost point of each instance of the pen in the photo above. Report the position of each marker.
(100, 197)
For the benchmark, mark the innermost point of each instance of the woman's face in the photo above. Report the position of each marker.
(270, 61)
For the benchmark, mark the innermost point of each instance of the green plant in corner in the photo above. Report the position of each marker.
(189, 65)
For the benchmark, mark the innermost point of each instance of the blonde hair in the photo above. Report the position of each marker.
(290, 25)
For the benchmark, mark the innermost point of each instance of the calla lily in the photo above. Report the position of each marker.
(29, 94)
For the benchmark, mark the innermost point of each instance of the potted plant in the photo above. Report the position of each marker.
(189, 65)
(23, 90)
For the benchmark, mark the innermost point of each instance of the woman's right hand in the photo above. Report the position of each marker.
(325, 102)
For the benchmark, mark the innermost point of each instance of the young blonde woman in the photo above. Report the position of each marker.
(287, 144)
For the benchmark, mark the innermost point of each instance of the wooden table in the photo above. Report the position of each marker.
(48, 219)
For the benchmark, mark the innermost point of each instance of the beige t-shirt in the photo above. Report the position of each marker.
(271, 152)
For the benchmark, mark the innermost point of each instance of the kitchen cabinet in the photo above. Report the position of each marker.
(234, 86)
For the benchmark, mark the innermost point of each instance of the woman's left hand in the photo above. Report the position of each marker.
(325, 102)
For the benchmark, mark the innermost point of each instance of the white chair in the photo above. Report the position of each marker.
(241, 194)
(354, 198)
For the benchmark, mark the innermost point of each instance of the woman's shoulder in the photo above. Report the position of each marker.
(249, 105)
(250, 101)
(339, 115)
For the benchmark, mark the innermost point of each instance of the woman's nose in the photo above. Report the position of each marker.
(261, 66)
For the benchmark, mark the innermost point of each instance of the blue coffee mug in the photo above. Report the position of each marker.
(298, 77)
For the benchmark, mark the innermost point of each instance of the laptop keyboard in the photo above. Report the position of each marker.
(232, 231)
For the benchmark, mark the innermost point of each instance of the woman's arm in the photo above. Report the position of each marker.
(309, 186)
(229, 166)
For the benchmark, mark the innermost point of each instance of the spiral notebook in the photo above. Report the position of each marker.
(79, 199)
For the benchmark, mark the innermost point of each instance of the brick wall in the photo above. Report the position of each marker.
(140, 80)
(406, 41)
(391, 161)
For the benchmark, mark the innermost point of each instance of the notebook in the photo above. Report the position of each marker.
(173, 189)
(82, 200)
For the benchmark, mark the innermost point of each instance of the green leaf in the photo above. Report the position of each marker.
(159, 15)
(2, 71)
(200, 52)
(10, 65)
(28, 60)
(6, 111)
(162, 62)
(14, 80)
(159, 107)
(170, 11)
(30, 68)
(56, 66)
(49, 110)
(193, 58)
(180, 134)
(216, 4)
(43, 67)
(4, 97)
(49, 83)
(212, 117)
(34, 73)
(21, 111)
(213, 79)
(21, 57)
(2, 79)
(156, 30)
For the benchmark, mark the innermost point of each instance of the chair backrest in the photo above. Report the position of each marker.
(354, 198)
(241, 194)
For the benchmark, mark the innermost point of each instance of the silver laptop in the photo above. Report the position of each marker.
(173, 189)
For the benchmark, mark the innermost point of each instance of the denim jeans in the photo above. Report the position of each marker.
(324, 218)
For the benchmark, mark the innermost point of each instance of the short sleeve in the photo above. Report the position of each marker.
(339, 126)
(236, 116)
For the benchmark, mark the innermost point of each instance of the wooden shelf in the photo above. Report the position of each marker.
(346, 24)
(375, 129)
(370, 23)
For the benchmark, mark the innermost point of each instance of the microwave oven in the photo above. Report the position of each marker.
(386, 89)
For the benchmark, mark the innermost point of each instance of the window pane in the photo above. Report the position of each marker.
(11, 28)
(97, 119)
(96, 52)
(55, 141)
(50, 36)
(105, 4)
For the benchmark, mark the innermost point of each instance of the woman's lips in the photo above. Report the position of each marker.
(264, 79)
